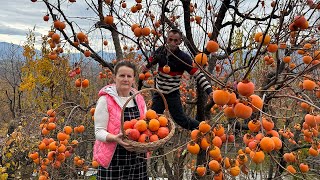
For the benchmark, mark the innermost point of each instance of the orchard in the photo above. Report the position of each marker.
(261, 57)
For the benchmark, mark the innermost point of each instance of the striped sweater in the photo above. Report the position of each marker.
(169, 82)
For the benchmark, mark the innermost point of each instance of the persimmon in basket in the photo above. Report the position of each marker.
(149, 129)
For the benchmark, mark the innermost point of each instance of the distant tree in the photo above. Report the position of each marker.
(10, 75)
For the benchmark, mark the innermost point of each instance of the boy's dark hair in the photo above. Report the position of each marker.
(175, 31)
(125, 63)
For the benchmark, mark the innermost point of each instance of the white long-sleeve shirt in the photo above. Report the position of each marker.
(101, 114)
(101, 117)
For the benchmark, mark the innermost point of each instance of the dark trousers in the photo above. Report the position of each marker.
(175, 109)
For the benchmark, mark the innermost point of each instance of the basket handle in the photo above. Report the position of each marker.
(166, 110)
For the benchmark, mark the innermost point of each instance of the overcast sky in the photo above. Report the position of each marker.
(17, 17)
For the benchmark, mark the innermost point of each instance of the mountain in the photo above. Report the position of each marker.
(107, 56)
(5, 45)
(9, 49)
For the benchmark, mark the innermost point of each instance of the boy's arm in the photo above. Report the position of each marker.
(198, 75)
(202, 80)
(153, 59)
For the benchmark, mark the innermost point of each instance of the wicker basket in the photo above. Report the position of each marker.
(145, 147)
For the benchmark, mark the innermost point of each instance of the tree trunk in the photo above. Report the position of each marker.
(116, 42)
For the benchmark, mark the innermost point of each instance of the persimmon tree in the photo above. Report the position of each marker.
(46, 84)
(262, 58)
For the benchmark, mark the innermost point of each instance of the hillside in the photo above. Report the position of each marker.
(9, 49)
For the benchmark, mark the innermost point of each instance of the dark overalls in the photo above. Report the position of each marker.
(126, 165)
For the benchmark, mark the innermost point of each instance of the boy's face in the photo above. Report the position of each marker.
(173, 41)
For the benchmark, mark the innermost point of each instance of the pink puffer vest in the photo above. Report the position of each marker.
(103, 151)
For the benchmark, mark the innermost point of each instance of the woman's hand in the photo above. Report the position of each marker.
(118, 138)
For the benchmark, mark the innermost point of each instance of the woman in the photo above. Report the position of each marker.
(117, 159)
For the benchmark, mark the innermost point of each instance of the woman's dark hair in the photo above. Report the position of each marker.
(125, 63)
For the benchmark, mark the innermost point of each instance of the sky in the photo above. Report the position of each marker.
(18, 17)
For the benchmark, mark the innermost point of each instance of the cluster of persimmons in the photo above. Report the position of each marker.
(149, 129)
(56, 146)
(263, 139)
(54, 42)
(106, 74)
(147, 76)
(79, 82)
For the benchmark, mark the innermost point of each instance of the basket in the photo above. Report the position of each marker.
(145, 147)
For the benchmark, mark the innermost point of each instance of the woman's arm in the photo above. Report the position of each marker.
(101, 119)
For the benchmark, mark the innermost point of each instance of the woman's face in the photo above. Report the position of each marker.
(124, 80)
